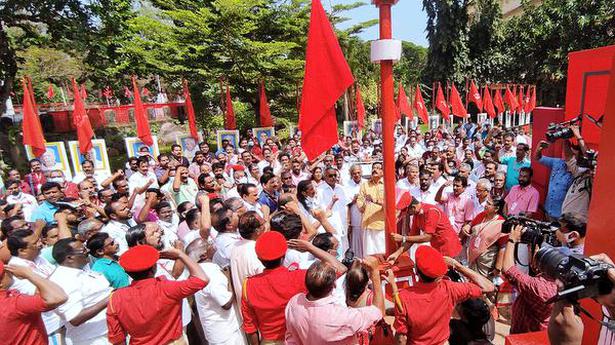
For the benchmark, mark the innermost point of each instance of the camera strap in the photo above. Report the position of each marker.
(610, 324)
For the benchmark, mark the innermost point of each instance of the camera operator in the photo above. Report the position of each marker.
(582, 167)
(571, 233)
(530, 312)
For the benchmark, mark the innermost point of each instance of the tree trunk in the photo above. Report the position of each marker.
(9, 64)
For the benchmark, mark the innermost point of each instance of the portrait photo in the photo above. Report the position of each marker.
(508, 120)
(98, 155)
(481, 118)
(262, 133)
(377, 126)
(231, 135)
(54, 158)
(293, 130)
(351, 129)
(189, 145)
(134, 144)
(434, 121)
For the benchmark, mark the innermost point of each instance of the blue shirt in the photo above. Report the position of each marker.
(512, 170)
(114, 273)
(271, 201)
(45, 211)
(559, 181)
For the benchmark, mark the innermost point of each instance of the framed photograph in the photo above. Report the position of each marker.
(188, 144)
(262, 133)
(134, 144)
(98, 155)
(54, 158)
(231, 135)
(434, 121)
(351, 129)
(500, 119)
(481, 118)
(293, 130)
(508, 120)
(377, 126)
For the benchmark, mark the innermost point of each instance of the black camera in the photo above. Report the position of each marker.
(581, 276)
(588, 160)
(560, 130)
(535, 232)
(348, 258)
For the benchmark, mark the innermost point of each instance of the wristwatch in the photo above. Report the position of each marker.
(511, 241)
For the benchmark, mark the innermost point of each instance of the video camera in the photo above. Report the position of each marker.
(561, 130)
(536, 232)
(581, 276)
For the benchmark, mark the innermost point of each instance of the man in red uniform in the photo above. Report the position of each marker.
(430, 224)
(428, 305)
(266, 295)
(20, 315)
(149, 310)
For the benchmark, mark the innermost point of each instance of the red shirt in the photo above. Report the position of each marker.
(264, 301)
(149, 310)
(431, 220)
(20, 318)
(428, 308)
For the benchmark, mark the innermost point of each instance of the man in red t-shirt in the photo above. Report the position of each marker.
(428, 305)
(20, 315)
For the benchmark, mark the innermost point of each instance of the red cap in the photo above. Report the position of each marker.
(404, 200)
(139, 258)
(1, 269)
(430, 262)
(237, 167)
(271, 246)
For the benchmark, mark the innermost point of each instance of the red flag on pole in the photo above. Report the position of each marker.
(474, 96)
(526, 99)
(441, 104)
(360, 109)
(532, 103)
(402, 103)
(510, 99)
(81, 121)
(264, 111)
(229, 121)
(457, 106)
(190, 110)
(419, 105)
(31, 124)
(83, 93)
(488, 103)
(520, 100)
(50, 91)
(327, 76)
(498, 101)
(107, 92)
(143, 131)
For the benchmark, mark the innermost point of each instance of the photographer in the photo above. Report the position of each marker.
(571, 233)
(530, 312)
(559, 181)
(582, 168)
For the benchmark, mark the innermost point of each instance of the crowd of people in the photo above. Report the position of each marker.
(257, 244)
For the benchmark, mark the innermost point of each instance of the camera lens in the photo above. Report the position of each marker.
(550, 261)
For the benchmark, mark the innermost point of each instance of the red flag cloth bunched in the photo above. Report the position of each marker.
(360, 109)
(81, 121)
(520, 100)
(264, 111)
(441, 104)
(50, 91)
(402, 103)
(190, 111)
(475, 96)
(488, 103)
(229, 121)
(419, 105)
(510, 99)
(532, 102)
(457, 104)
(498, 101)
(143, 131)
(31, 124)
(327, 76)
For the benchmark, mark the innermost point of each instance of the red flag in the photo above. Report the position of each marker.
(488, 103)
(145, 92)
(50, 91)
(532, 102)
(143, 131)
(31, 124)
(402, 103)
(32, 96)
(229, 121)
(510, 99)
(264, 111)
(83, 93)
(127, 92)
(520, 100)
(360, 109)
(190, 110)
(327, 76)
(419, 105)
(457, 104)
(107, 92)
(441, 104)
(475, 96)
(81, 121)
(498, 101)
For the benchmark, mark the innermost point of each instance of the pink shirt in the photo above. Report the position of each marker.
(325, 322)
(459, 209)
(522, 200)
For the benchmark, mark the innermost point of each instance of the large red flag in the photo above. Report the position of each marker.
(403, 107)
(50, 91)
(81, 121)
(526, 99)
(264, 111)
(360, 109)
(327, 76)
(143, 131)
(475, 96)
(457, 106)
(229, 121)
(510, 99)
(419, 105)
(498, 101)
(31, 124)
(520, 100)
(190, 110)
(532, 102)
(488, 103)
(441, 104)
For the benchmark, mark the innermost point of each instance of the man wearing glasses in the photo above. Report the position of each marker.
(104, 248)
(331, 195)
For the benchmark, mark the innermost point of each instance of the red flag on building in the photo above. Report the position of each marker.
(457, 106)
(510, 99)
(50, 91)
(31, 124)
(498, 101)
(488, 103)
(143, 131)
(264, 111)
(229, 121)
(475, 97)
(190, 111)
(327, 76)
(419, 105)
(107, 92)
(81, 121)
(520, 100)
(360, 109)
(82, 92)
(441, 104)
(403, 107)
(531, 104)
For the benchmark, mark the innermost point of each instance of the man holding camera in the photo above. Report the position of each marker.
(559, 181)
(582, 169)
(572, 233)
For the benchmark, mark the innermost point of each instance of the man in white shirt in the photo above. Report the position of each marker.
(139, 179)
(88, 292)
(225, 222)
(16, 196)
(244, 262)
(426, 192)
(297, 172)
(87, 167)
(412, 177)
(269, 160)
(415, 150)
(120, 220)
(351, 190)
(331, 195)
(249, 193)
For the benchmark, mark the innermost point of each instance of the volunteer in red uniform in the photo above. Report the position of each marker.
(149, 310)
(20, 315)
(429, 224)
(428, 305)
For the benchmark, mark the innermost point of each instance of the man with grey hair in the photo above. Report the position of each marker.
(481, 193)
(351, 189)
(87, 228)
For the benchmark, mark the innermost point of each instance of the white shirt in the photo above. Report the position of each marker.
(117, 231)
(225, 242)
(256, 208)
(405, 185)
(338, 212)
(274, 164)
(244, 264)
(138, 180)
(164, 269)
(428, 197)
(99, 176)
(27, 201)
(351, 189)
(169, 233)
(84, 289)
(298, 178)
(296, 259)
(218, 324)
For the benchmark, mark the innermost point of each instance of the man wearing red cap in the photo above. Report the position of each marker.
(149, 310)
(20, 315)
(266, 295)
(428, 305)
